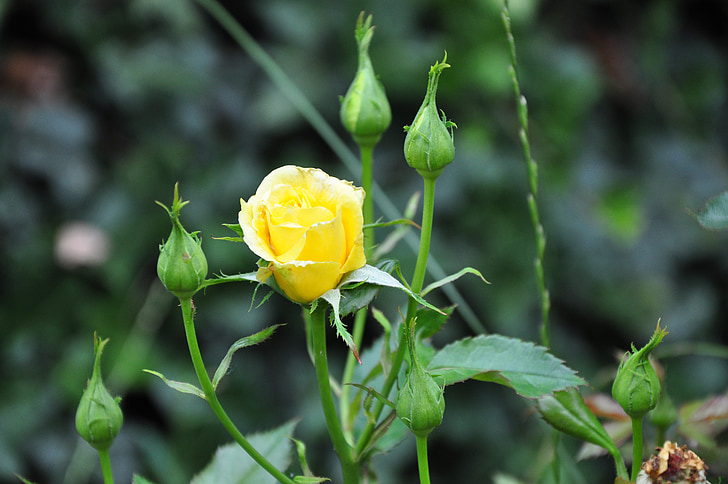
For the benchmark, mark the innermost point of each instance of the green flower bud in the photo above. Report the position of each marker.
(665, 414)
(98, 417)
(182, 266)
(421, 402)
(365, 111)
(429, 145)
(637, 387)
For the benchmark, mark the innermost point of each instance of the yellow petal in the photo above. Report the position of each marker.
(305, 281)
(255, 236)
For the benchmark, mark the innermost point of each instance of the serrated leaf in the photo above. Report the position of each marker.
(333, 297)
(181, 387)
(137, 479)
(567, 412)
(714, 214)
(251, 340)
(232, 465)
(453, 277)
(527, 368)
(374, 275)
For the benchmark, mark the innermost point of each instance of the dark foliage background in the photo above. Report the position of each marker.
(105, 104)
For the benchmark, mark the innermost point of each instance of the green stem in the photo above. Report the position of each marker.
(636, 446)
(347, 418)
(349, 466)
(361, 315)
(422, 465)
(620, 466)
(106, 466)
(211, 396)
(367, 179)
(418, 279)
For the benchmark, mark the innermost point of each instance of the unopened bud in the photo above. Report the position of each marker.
(421, 402)
(429, 145)
(637, 386)
(98, 417)
(182, 266)
(365, 110)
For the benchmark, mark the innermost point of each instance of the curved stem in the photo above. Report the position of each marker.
(636, 446)
(106, 466)
(418, 279)
(349, 467)
(211, 397)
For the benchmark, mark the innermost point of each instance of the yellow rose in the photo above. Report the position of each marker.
(308, 226)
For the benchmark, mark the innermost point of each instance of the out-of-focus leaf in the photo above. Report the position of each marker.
(232, 465)
(137, 479)
(603, 405)
(704, 419)
(714, 214)
(527, 368)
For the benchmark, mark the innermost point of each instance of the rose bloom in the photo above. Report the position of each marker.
(308, 226)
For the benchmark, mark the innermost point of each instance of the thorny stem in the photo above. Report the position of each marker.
(211, 397)
(532, 168)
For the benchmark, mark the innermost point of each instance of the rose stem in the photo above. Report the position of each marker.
(211, 397)
(418, 280)
(366, 151)
(349, 467)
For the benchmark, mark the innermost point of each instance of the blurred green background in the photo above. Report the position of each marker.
(105, 104)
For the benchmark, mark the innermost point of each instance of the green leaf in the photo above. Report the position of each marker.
(307, 477)
(567, 412)
(25, 481)
(333, 297)
(137, 479)
(374, 275)
(430, 322)
(453, 277)
(714, 214)
(181, 387)
(251, 340)
(529, 369)
(232, 465)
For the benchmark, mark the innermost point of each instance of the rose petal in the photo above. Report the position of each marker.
(305, 281)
